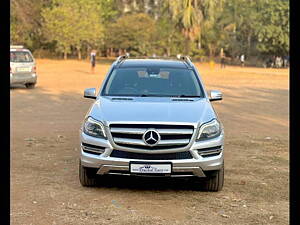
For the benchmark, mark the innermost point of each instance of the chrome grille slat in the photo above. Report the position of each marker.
(127, 131)
(173, 142)
(173, 131)
(142, 131)
(129, 141)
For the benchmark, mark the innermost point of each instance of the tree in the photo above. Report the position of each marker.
(167, 39)
(273, 31)
(108, 11)
(195, 27)
(188, 16)
(132, 33)
(73, 23)
(25, 26)
(212, 33)
(89, 24)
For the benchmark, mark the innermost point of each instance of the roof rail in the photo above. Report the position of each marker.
(187, 60)
(121, 58)
(16, 46)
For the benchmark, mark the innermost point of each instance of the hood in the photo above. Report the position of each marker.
(152, 109)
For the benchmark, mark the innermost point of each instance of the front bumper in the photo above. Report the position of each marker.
(195, 166)
(24, 78)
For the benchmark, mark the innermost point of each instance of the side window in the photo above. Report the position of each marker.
(12, 57)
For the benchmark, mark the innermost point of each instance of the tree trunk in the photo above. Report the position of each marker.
(147, 7)
(156, 7)
(249, 43)
(65, 54)
(134, 5)
(187, 46)
(199, 41)
(79, 53)
(169, 46)
(168, 51)
(210, 50)
(126, 6)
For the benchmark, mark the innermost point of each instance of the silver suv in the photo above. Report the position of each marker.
(22, 67)
(152, 117)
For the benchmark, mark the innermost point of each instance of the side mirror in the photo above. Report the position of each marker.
(90, 93)
(215, 95)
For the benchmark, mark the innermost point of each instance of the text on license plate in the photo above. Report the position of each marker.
(150, 168)
(23, 69)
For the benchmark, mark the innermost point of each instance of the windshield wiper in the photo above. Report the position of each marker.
(153, 95)
(170, 96)
(186, 96)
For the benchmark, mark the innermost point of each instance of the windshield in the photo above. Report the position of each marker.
(20, 56)
(168, 82)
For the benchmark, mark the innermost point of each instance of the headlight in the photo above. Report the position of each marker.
(209, 130)
(93, 128)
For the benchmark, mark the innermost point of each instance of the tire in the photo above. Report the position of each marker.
(215, 181)
(87, 176)
(30, 86)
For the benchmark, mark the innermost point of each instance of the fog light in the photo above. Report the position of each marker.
(207, 152)
(92, 149)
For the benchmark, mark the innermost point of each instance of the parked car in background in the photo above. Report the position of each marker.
(22, 67)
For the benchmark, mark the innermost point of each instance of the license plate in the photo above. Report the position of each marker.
(23, 69)
(163, 168)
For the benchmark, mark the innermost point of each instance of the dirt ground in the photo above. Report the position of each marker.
(45, 123)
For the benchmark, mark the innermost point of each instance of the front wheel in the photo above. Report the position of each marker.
(87, 176)
(215, 181)
(30, 86)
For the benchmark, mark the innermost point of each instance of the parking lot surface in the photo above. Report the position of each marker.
(45, 124)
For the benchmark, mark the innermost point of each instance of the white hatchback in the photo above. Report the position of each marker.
(22, 67)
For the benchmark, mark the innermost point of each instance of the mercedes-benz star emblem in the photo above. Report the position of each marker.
(151, 137)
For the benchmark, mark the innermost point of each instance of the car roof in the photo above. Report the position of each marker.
(168, 63)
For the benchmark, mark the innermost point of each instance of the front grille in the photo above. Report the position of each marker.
(163, 156)
(171, 136)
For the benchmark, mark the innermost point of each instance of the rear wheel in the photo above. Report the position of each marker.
(30, 85)
(215, 181)
(87, 176)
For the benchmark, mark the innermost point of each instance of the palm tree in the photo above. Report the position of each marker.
(188, 15)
